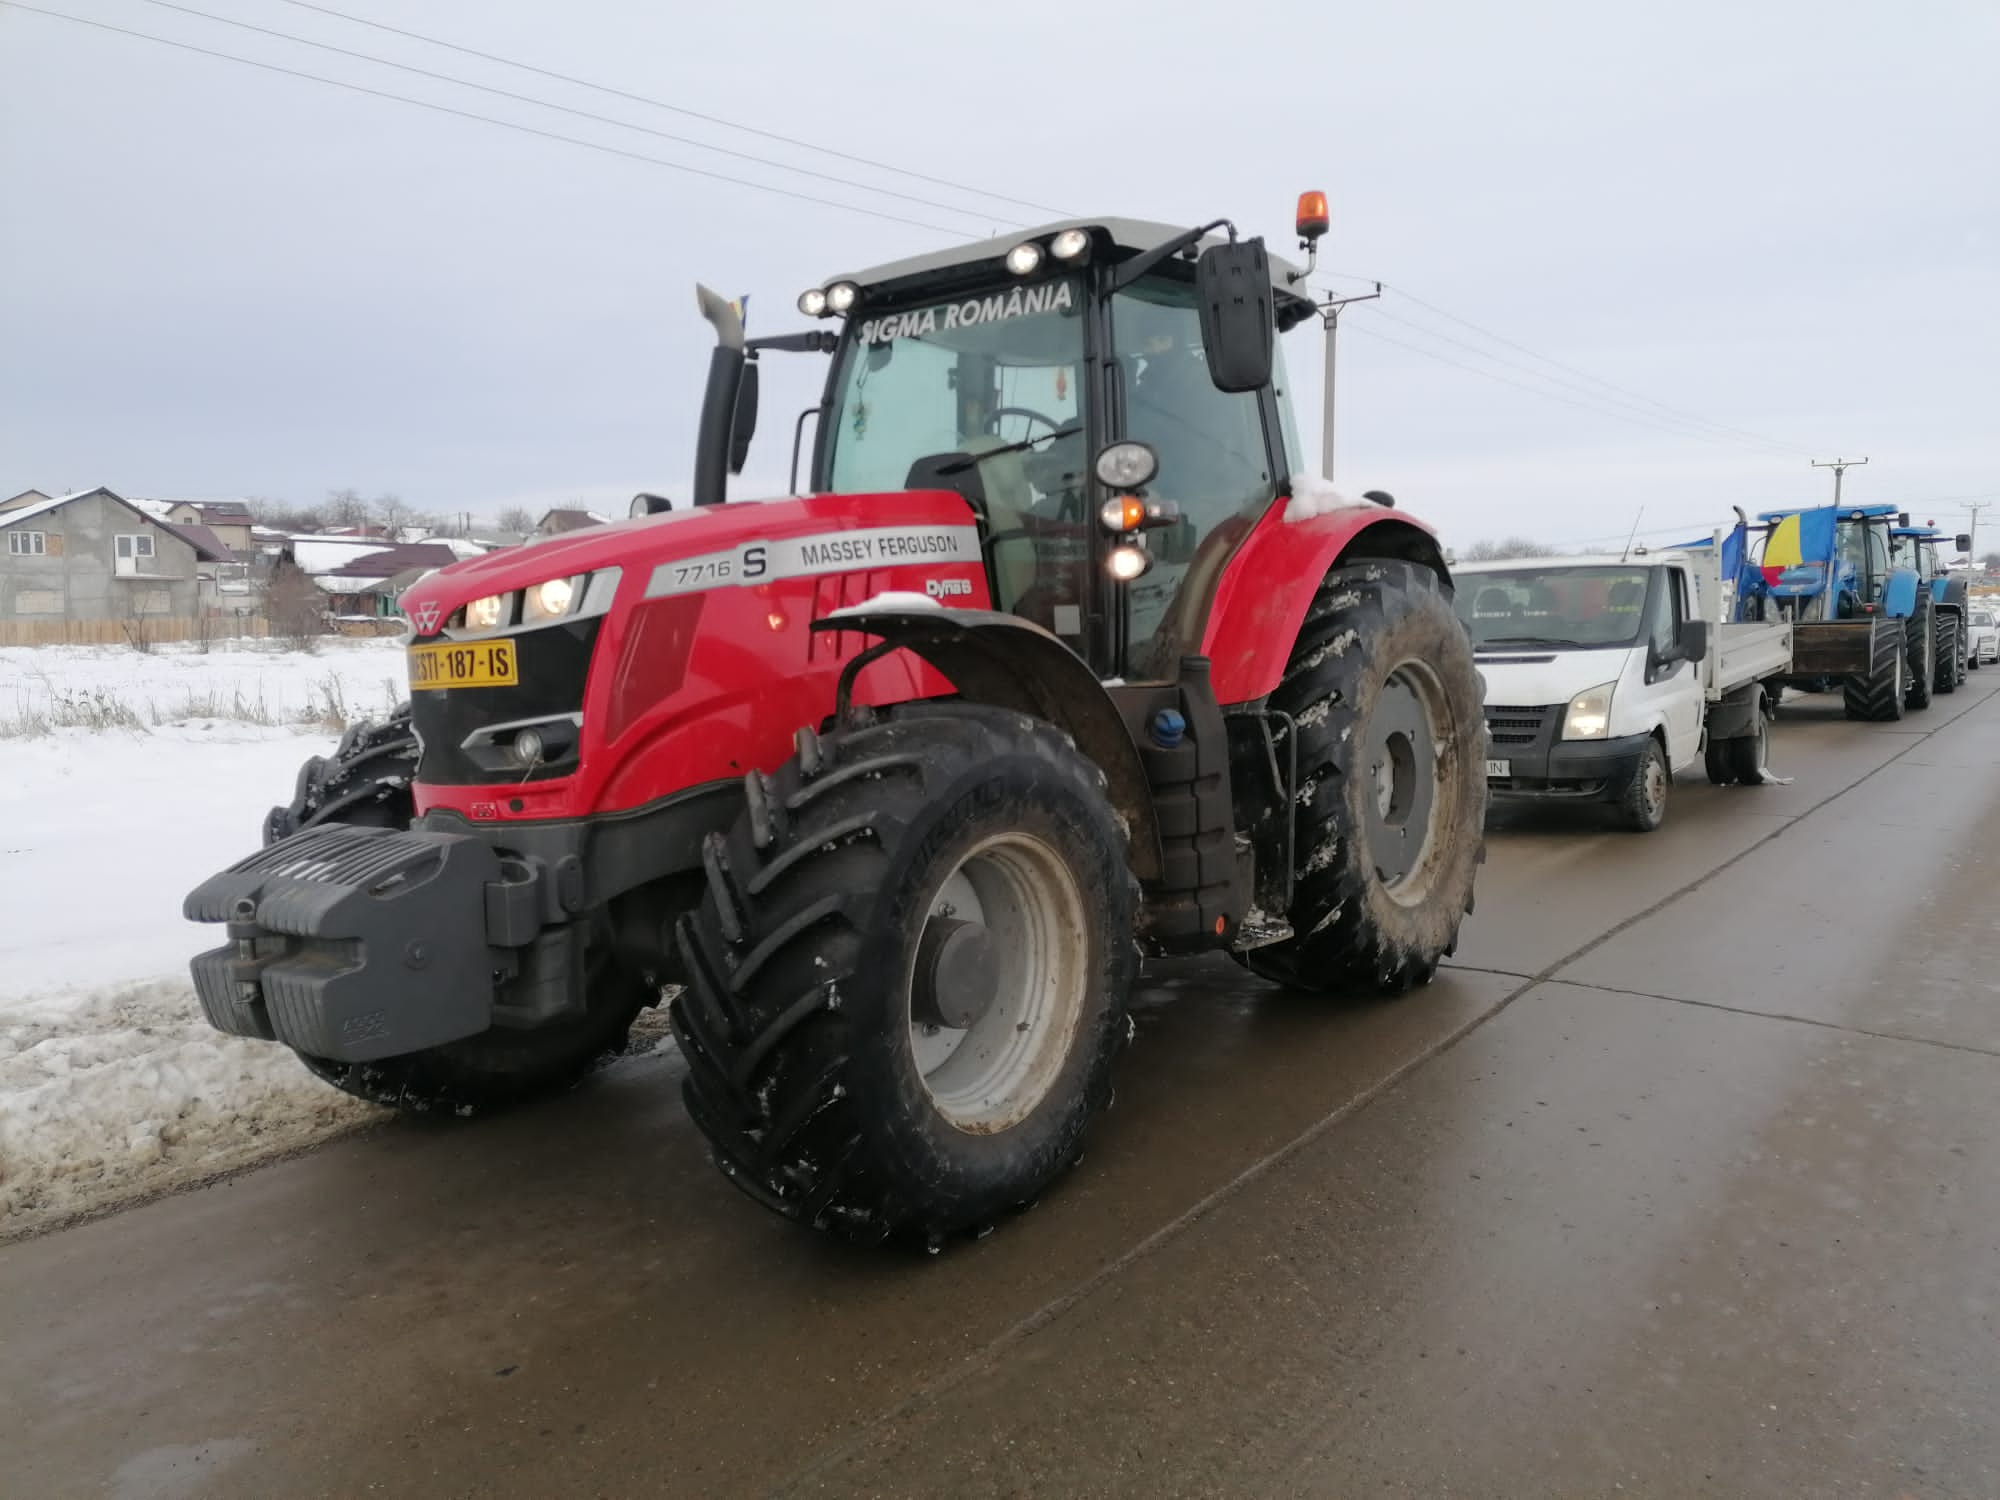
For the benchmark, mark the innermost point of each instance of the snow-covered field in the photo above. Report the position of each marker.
(111, 1085)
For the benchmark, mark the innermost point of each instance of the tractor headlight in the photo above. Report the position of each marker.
(549, 601)
(1025, 258)
(1070, 244)
(841, 296)
(1588, 716)
(484, 614)
(812, 302)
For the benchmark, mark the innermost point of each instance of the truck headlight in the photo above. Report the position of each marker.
(1588, 716)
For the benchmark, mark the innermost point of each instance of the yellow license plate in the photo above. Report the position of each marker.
(446, 665)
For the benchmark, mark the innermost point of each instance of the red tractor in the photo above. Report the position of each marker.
(892, 784)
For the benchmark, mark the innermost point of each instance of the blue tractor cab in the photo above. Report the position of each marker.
(1920, 549)
(1862, 619)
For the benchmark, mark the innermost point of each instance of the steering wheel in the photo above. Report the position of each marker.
(993, 417)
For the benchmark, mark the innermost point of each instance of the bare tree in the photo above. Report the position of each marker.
(294, 606)
(345, 508)
(1487, 550)
(516, 520)
(393, 514)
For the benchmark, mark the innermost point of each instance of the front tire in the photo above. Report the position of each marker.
(1924, 639)
(1391, 800)
(1642, 806)
(1950, 659)
(1878, 696)
(907, 978)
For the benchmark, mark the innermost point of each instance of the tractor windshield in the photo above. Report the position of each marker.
(982, 394)
(1553, 608)
(1863, 550)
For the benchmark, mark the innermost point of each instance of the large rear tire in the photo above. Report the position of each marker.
(907, 978)
(1878, 695)
(1950, 671)
(1391, 800)
(366, 782)
(1923, 639)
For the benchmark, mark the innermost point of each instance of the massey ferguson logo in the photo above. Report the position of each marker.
(946, 588)
(425, 618)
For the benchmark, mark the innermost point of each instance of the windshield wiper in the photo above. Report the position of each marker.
(973, 460)
(1544, 641)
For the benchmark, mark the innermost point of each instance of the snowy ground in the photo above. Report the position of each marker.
(111, 1085)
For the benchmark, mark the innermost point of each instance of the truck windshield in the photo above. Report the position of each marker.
(998, 378)
(1554, 607)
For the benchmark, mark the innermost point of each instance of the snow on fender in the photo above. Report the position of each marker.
(1313, 496)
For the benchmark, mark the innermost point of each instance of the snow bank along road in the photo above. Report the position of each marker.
(1684, 1181)
(129, 778)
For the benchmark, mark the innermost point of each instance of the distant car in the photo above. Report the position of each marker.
(1984, 644)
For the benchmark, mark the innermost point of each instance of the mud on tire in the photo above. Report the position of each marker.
(366, 781)
(1379, 640)
(817, 1067)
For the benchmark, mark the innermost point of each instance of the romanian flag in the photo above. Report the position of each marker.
(1781, 549)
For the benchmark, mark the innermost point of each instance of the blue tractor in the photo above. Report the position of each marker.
(1863, 622)
(1916, 547)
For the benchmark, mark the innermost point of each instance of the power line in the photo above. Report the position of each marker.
(466, 114)
(1536, 390)
(692, 114)
(1678, 412)
(1534, 374)
(582, 114)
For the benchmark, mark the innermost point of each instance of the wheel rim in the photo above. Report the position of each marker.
(1653, 785)
(1026, 909)
(1408, 789)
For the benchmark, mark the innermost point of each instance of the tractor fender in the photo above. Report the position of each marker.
(1899, 595)
(1267, 586)
(1009, 662)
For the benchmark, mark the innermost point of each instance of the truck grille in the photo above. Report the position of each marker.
(1509, 725)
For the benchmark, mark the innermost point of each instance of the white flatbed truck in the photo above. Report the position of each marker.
(1607, 676)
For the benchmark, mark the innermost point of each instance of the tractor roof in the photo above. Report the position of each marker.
(1130, 236)
(1847, 512)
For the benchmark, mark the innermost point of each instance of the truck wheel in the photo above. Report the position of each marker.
(1922, 636)
(907, 977)
(1391, 798)
(1878, 696)
(366, 781)
(1748, 756)
(1950, 667)
(1642, 806)
(1717, 761)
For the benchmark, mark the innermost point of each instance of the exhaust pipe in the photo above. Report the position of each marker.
(718, 401)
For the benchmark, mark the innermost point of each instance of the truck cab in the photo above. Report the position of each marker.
(1605, 676)
(1593, 684)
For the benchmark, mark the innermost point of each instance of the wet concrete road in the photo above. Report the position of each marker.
(1684, 1180)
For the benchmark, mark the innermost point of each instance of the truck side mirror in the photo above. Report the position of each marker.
(1694, 640)
(1238, 328)
(743, 421)
(1964, 541)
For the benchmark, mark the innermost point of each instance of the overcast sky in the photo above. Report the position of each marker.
(1779, 218)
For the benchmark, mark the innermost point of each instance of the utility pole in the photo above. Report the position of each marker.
(1975, 506)
(1329, 315)
(1839, 466)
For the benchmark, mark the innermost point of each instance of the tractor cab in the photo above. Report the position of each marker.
(1917, 547)
(1048, 379)
(1827, 563)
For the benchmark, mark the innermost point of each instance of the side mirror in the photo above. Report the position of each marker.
(1694, 640)
(743, 421)
(1902, 518)
(1238, 328)
(1964, 541)
(1381, 497)
(649, 505)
